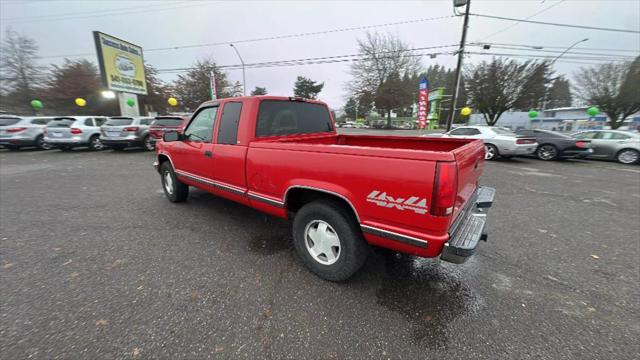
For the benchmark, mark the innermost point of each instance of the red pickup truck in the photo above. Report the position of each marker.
(345, 193)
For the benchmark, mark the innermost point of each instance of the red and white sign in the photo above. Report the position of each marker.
(423, 103)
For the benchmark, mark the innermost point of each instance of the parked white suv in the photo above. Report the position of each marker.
(67, 132)
(18, 131)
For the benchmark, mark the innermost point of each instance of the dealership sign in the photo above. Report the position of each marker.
(423, 103)
(121, 64)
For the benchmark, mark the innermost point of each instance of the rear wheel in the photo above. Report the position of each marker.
(174, 190)
(547, 152)
(41, 144)
(148, 144)
(328, 240)
(628, 156)
(95, 143)
(490, 152)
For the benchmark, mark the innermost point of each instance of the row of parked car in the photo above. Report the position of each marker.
(621, 146)
(94, 132)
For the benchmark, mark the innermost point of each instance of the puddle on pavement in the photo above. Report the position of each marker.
(270, 236)
(428, 294)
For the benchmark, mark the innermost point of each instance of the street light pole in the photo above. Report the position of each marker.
(452, 107)
(544, 99)
(244, 79)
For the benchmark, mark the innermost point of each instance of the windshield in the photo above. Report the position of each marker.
(278, 117)
(60, 123)
(167, 122)
(118, 122)
(8, 121)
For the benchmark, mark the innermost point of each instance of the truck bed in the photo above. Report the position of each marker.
(419, 148)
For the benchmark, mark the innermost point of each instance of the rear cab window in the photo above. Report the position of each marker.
(282, 117)
(228, 128)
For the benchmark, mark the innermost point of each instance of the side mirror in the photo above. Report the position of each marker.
(169, 136)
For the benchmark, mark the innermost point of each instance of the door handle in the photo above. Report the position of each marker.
(208, 153)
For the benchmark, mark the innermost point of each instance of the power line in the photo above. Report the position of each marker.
(70, 14)
(275, 37)
(557, 24)
(554, 47)
(527, 18)
(300, 34)
(601, 58)
(554, 51)
(146, 10)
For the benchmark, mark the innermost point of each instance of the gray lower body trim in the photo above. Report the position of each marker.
(214, 184)
(394, 236)
(266, 200)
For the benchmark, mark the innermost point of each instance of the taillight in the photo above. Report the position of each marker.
(16, 129)
(525, 141)
(130, 128)
(76, 131)
(444, 189)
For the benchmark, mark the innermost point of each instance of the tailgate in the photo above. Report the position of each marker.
(470, 164)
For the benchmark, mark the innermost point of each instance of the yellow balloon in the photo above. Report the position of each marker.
(172, 101)
(465, 111)
(81, 102)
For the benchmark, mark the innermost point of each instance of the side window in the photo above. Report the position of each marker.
(618, 136)
(200, 128)
(462, 131)
(586, 135)
(228, 129)
(604, 135)
(473, 132)
(88, 122)
(100, 121)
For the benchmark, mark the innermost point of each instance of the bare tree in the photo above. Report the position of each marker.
(18, 70)
(613, 87)
(500, 85)
(193, 87)
(382, 54)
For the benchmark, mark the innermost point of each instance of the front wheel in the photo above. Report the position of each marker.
(41, 144)
(328, 240)
(547, 152)
(628, 156)
(490, 152)
(174, 190)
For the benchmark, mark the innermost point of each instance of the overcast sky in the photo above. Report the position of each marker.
(64, 27)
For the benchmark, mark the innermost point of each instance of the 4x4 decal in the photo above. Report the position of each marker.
(413, 203)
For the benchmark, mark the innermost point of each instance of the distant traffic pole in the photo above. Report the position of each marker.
(244, 79)
(452, 107)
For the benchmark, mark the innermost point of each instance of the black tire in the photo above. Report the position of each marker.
(95, 144)
(490, 152)
(353, 249)
(41, 144)
(547, 152)
(147, 144)
(179, 191)
(628, 156)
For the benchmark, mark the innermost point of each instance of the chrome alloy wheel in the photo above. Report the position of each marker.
(489, 152)
(168, 182)
(547, 152)
(628, 156)
(322, 242)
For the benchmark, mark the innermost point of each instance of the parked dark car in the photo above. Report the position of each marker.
(553, 145)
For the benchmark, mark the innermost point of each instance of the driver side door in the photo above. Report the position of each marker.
(193, 156)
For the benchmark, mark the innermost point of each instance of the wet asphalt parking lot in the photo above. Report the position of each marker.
(95, 263)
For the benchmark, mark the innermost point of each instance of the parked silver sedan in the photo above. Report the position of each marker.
(68, 132)
(621, 146)
(19, 131)
(497, 141)
(120, 132)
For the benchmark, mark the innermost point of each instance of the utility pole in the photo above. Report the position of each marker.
(244, 80)
(452, 107)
